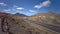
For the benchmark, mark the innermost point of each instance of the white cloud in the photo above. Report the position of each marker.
(7, 10)
(20, 8)
(2, 4)
(17, 11)
(17, 7)
(13, 9)
(43, 4)
(32, 10)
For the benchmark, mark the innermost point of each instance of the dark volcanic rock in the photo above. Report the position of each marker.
(20, 14)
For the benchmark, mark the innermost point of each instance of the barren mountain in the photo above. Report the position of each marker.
(49, 18)
(13, 24)
(20, 15)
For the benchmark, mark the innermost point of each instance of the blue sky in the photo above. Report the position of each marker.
(29, 7)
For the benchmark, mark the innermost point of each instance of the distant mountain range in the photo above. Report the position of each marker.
(20, 14)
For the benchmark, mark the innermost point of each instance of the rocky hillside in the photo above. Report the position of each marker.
(13, 24)
(49, 18)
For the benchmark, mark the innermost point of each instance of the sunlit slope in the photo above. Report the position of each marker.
(49, 18)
